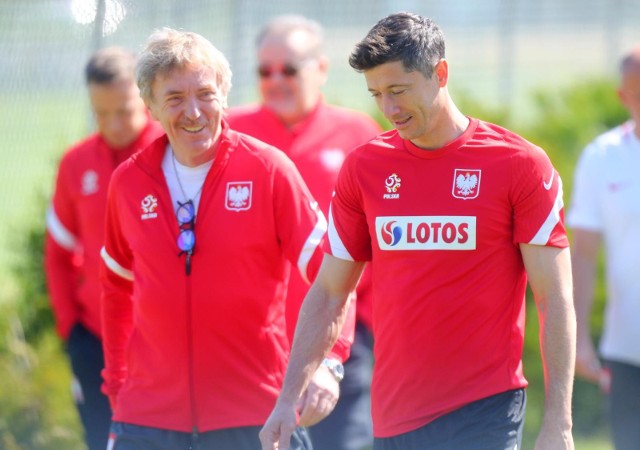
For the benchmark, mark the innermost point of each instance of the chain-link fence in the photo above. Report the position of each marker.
(499, 51)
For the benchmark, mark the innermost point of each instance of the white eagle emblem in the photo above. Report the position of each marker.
(239, 195)
(89, 182)
(466, 183)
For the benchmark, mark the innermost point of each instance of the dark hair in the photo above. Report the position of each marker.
(109, 65)
(414, 40)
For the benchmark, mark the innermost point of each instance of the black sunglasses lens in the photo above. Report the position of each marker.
(264, 72)
(289, 71)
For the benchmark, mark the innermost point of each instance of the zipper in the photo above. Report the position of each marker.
(192, 386)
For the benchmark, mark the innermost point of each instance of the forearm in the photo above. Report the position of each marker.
(322, 316)
(549, 273)
(583, 262)
(558, 342)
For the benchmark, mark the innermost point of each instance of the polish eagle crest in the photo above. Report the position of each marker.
(466, 183)
(239, 195)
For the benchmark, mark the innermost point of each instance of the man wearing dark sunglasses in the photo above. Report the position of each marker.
(75, 225)
(293, 116)
(202, 230)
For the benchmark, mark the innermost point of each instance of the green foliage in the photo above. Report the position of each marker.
(33, 310)
(37, 408)
(568, 120)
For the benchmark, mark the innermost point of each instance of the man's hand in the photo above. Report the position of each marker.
(555, 435)
(276, 432)
(320, 398)
(588, 365)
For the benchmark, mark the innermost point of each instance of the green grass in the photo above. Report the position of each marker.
(35, 128)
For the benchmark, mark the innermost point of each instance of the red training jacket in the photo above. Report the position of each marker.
(206, 350)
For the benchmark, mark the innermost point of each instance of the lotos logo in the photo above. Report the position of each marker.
(391, 234)
(149, 204)
(426, 232)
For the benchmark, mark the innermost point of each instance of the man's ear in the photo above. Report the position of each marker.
(323, 67)
(153, 116)
(442, 72)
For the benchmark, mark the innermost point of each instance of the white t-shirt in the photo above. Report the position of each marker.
(606, 199)
(180, 177)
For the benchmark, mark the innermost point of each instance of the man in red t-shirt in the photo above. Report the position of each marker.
(75, 225)
(293, 116)
(455, 215)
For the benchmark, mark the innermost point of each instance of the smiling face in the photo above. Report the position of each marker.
(415, 105)
(189, 105)
(119, 111)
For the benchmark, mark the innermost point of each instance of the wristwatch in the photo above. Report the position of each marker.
(335, 367)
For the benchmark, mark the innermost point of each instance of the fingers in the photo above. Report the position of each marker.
(277, 431)
(587, 363)
(318, 403)
(274, 437)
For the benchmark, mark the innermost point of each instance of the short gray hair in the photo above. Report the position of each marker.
(168, 49)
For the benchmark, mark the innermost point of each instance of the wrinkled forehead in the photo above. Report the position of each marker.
(185, 76)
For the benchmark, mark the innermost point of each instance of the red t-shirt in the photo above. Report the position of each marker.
(318, 146)
(75, 228)
(442, 229)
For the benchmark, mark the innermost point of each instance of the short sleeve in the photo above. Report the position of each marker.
(348, 234)
(537, 199)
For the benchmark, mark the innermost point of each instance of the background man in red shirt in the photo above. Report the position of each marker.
(75, 225)
(293, 116)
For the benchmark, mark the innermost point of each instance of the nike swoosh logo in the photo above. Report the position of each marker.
(546, 185)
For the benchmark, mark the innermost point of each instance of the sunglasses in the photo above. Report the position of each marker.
(186, 241)
(286, 70)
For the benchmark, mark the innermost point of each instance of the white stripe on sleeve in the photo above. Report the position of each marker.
(338, 249)
(113, 265)
(312, 242)
(544, 233)
(63, 237)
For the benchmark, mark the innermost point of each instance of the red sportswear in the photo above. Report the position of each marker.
(75, 228)
(442, 229)
(208, 350)
(318, 146)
